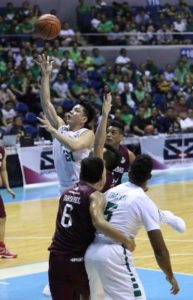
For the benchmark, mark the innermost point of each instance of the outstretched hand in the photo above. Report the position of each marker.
(45, 123)
(107, 103)
(45, 64)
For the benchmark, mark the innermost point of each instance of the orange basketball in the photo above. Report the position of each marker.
(48, 26)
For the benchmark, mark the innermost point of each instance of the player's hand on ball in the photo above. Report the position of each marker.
(45, 64)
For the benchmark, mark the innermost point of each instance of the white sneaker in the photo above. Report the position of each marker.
(175, 222)
(46, 291)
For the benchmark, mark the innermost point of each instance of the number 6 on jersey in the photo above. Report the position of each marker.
(66, 220)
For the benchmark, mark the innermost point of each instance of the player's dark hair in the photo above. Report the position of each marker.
(111, 157)
(89, 111)
(117, 125)
(91, 169)
(141, 168)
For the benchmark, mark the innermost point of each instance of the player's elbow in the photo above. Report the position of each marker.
(98, 223)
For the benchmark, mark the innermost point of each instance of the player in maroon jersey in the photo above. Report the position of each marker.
(100, 146)
(114, 137)
(4, 252)
(80, 212)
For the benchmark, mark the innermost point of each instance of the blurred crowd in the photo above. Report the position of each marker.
(147, 99)
(122, 24)
(102, 24)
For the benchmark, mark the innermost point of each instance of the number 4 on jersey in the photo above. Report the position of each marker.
(109, 210)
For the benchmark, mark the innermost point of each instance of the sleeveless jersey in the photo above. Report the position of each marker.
(122, 167)
(128, 208)
(2, 154)
(67, 163)
(74, 229)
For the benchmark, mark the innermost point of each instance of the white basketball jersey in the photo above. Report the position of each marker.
(128, 208)
(67, 163)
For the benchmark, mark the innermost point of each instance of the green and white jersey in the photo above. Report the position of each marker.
(67, 162)
(128, 209)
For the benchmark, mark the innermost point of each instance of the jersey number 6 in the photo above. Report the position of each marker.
(66, 220)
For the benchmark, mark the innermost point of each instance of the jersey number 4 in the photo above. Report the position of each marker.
(66, 220)
(109, 210)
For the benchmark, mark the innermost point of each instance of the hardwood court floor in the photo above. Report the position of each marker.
(30, 225)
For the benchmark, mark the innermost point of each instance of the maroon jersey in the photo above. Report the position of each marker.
(2, 154)
(74, 230)
(109, 182)
(122, 167)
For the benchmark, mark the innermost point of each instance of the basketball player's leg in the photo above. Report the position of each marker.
(117, 272)
(67, 280)
(46, 290)
(96, 288)
(4, 252)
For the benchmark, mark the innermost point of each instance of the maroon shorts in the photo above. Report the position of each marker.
(2, 208)
(67, 278)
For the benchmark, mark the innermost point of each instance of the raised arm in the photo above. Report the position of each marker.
(46, 67)
(163, 258)
(97, 203)
(132, 156)
(100, 135)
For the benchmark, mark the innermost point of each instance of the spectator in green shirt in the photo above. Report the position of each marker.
(4, 25)
(18, 85)
(82, 7)
(112, 83)
(74, 53)
(78, 87)
(86, 60)
(106, 25)
(180, 72)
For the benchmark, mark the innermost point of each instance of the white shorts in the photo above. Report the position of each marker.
(112, 267)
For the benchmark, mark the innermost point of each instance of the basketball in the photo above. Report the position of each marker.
(48, 26)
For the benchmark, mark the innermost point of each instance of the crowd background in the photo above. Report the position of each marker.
(147, 98)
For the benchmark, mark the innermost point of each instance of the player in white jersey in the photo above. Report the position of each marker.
(71, 142)
(128, 209)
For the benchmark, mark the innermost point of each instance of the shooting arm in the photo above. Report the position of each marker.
(85, 140)
(46, 104)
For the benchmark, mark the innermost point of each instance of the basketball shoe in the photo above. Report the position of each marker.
(174, 221)
(5, 253)
(46, 291)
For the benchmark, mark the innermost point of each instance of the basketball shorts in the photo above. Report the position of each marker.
(112, 266)
(67, 277)
(2, 208)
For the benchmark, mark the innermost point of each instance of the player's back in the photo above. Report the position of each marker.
(126, 209)
(67, 162)
(74, 229)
